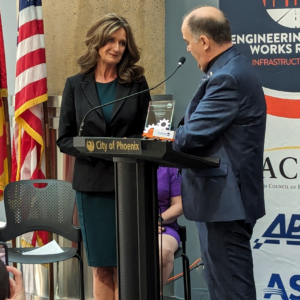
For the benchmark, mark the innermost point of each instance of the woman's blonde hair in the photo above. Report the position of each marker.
(98, 35)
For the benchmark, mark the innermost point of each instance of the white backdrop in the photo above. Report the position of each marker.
(276, 238)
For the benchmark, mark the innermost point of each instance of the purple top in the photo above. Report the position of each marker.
(168, 185)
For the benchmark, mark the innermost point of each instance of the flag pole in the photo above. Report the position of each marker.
(48, 176)
(47, 141)
(7, 127)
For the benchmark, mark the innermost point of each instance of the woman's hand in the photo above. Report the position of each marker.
(161, 229)
(17, 291)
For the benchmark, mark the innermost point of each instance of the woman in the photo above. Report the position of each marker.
(107, 72)
(170, 208)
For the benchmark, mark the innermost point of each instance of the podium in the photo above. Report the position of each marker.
(136, 162)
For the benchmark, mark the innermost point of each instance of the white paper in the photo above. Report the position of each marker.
(50, 248)
(2, 224)
(2, 257)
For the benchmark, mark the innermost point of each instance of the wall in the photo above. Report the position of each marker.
(183, 85)
(66, 24)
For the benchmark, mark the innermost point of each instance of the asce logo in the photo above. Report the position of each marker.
(291, 235)
(276, 287)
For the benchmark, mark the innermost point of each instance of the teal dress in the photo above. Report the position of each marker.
(96, 210)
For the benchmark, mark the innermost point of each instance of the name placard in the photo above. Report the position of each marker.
(114, 146)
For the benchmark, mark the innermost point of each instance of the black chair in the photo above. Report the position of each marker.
(181, 252)
(47, 205)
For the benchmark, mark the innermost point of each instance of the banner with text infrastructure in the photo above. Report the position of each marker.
(268, 33)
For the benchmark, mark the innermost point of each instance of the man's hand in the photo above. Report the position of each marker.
(17, 291)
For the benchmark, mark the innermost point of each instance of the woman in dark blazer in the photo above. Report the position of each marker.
(108, 72)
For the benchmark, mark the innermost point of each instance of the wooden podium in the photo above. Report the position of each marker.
(136, 162)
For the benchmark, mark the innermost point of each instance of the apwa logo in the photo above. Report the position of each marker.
(278, 232)
(276, 287)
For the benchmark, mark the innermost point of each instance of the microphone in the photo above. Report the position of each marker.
(181, 61)
(80, 133)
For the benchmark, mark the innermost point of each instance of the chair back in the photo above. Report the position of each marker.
(43, 204)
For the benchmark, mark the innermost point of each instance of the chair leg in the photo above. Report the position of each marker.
(186, 276)
(81, 278)
(51, 282)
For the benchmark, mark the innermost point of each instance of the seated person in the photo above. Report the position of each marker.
(170, 208)
(9, 286)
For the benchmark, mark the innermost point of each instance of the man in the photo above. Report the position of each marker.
(226, 118)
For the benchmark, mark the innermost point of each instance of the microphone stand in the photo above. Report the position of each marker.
(80, 133)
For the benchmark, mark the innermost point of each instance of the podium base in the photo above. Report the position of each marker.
(137, 223)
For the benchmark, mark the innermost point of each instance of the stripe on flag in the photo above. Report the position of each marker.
(30, 75)
(30, 13)
(30, 44)
(36, 57)
(31, 28)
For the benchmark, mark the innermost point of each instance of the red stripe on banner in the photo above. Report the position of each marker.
(285, 108)
(286, 2)
(273, 3)
(29, 29)
(38, 174)
(30, 60)
(27, 145)
(264, 1)
(33, 121)
(31, 91)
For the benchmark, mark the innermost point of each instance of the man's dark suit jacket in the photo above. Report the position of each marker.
(226, 118)
(127, 120)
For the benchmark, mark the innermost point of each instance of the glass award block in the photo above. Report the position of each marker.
(160, 114)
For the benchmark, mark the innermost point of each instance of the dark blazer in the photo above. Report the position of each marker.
(127, 120)
(226, 118)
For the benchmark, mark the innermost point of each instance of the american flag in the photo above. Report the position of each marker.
(30, 92)
(4, 178)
